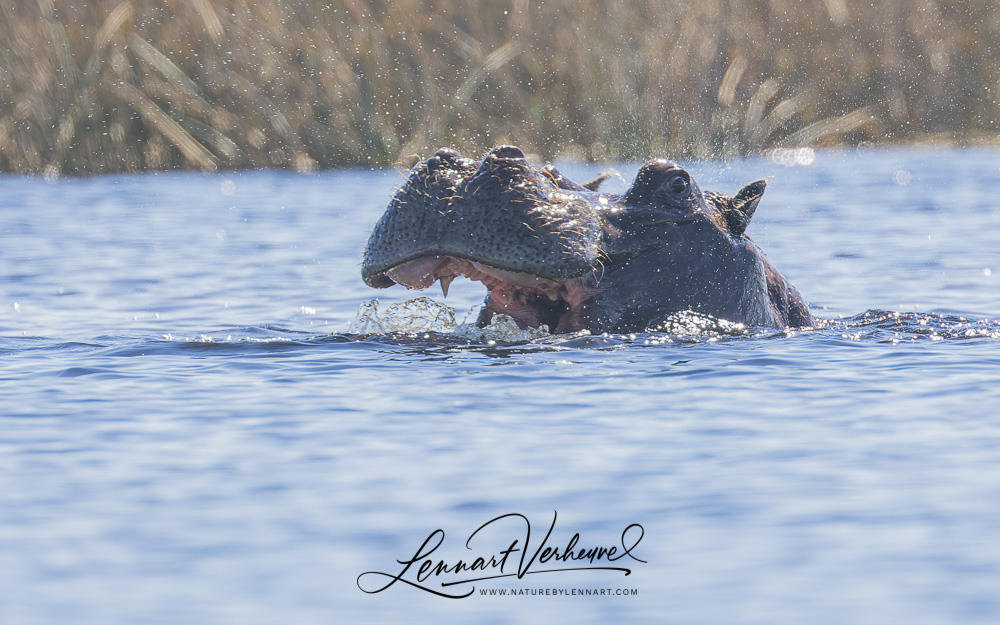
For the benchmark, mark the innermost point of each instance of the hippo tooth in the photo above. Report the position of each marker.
(445, 283)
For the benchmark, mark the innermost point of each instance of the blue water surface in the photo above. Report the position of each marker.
(189, 434)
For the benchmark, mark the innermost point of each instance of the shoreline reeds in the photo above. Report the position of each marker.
(134, 85)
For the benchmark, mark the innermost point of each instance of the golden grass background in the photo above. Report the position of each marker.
(113, 85)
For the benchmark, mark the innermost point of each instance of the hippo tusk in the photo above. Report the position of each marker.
(445, 283)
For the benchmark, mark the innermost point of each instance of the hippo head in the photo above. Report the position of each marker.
(498, 221)
(553, 252)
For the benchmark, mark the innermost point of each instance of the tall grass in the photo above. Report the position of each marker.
(127, 85)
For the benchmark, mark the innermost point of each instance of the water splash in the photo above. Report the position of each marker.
(897, 327)
(416, 316)
(692, 324)
(502, 328)
(423, 315)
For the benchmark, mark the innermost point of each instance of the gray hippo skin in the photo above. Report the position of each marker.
(553, 252)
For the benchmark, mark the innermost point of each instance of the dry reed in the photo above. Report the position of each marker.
(113, 85)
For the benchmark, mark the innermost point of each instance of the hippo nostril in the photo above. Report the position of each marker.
(507, 159)
(445, 158)
(447, 155)
(506, 151)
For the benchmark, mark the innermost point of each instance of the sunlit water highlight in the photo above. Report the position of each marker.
(192, 432)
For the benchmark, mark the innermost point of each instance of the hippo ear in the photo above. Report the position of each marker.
(742, 206)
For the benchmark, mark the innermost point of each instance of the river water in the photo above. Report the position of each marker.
(190, 434)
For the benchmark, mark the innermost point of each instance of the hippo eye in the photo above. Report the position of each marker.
(678, 185)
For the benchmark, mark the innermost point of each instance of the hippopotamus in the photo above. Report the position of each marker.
(564, 255)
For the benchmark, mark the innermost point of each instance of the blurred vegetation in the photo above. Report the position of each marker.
(113, 85)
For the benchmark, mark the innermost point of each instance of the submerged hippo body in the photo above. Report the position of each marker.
(556, 253)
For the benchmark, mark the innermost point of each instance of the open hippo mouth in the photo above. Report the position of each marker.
(498, 221)
(531, 300)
